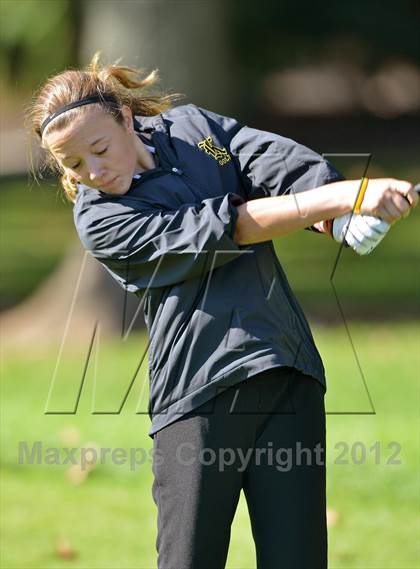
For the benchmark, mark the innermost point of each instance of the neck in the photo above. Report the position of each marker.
(145, 159)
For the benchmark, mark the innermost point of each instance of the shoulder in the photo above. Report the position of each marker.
(93, 214)
(86, 209)
(188, 109)
(92, 204)
(192, 116)
(186, 115)
(87, 197)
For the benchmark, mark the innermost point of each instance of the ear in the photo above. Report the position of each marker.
(127, 118)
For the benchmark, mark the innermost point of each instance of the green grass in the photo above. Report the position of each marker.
(110, 518)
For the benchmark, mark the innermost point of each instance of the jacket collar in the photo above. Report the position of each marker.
(156, 129)
(147, 125)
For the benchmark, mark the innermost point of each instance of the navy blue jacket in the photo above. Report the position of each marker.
(217, 312)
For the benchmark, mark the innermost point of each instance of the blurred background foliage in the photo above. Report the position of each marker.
(280, 34)
(41, 37)
(37, 39)
(358, 58)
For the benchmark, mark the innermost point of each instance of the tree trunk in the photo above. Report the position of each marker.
(187, 41)
(76, 297)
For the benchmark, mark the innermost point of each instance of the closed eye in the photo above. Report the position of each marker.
(75, 166)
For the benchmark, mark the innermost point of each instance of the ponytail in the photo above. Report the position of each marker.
(125, 85)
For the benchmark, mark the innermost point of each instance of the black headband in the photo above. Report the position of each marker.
(79, 103)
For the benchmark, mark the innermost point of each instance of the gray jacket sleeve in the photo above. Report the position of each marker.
(155, 247)
(270, 164)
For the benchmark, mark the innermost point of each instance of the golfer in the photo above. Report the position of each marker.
(181, 206)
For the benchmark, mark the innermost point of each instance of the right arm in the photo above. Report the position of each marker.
(296, 187)
(267, 218)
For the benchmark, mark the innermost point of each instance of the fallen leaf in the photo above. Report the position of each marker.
(64, 549)
(332, 517)
(75, 475)
(70, 435)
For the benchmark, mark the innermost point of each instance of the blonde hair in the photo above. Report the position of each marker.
(126, 85)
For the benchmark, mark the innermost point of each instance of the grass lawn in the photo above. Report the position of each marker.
(53, 518)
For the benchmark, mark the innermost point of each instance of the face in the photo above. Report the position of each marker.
(98, 151)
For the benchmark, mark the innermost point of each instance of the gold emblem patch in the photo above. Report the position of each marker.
(218, 153)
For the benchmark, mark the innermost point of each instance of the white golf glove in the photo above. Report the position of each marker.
(360, 232)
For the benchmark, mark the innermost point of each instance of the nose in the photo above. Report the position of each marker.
(96, 172)
(95, 175)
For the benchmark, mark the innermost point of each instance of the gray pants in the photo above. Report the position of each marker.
(266, 436)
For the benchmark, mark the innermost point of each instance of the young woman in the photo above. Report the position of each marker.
(181, 205)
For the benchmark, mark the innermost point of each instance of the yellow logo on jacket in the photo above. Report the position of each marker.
(218, 153)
